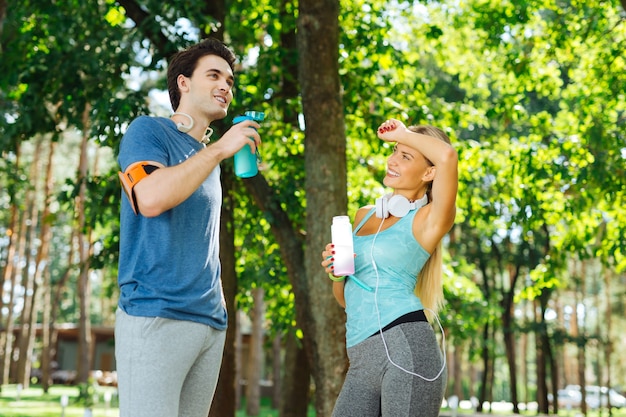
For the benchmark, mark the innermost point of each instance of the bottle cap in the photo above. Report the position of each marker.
(337, 219)
(257, 116)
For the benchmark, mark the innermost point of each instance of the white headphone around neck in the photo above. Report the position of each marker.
(397, 205)
(181, 126)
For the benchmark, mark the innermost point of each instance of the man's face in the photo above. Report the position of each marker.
(210, 88)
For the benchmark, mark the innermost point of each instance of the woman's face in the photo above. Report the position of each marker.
(405, 169)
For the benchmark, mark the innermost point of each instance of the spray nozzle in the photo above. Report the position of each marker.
(257, 116)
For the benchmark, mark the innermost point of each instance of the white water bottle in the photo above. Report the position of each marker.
(341, 235)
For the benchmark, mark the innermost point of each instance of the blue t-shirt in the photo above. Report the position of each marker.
(389, 263)
(169, 265)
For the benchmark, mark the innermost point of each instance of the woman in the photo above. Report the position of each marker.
(396, 366)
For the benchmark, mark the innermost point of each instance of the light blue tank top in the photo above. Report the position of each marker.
(389, 263)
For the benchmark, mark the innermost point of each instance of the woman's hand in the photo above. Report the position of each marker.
(327, 258)
(327, 263)
(390, 130)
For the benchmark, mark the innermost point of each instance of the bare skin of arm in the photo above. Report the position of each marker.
(436, 218)
(167, 187)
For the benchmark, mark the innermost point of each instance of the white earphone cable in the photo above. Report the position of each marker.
(382, 336)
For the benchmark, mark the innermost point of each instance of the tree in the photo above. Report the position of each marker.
(325, 165)
(530, 92)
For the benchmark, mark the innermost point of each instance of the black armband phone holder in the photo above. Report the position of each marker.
(129, 178)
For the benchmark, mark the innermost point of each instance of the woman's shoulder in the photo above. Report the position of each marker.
(361, 216)
(362, 212)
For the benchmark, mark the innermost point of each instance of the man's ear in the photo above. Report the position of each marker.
(182, 82)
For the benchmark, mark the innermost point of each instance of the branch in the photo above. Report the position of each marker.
(146, 23)
(291, 243)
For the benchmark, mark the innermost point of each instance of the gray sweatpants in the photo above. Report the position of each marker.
(166, 368)
(374, 387)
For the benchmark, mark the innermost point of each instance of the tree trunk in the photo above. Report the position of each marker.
(597, 363)
(10, 318)
(9, 275)
(41, 276)
(457, 371)
(542, 390)
(491, 377)
(238, 362)
(508, 333)
(608, 346)
(523, 351)
(325, 185)
(551, 360)
(483, 392)
(255, 354)
(548, 362)
(27, 318)
(84, 251)
(277, 366)
(473, 373)
(3, 16)
(509, 343)
(20, 269)
(579, 335)
(43, 271)
(51, 341)
(226, 399)
(296, 379)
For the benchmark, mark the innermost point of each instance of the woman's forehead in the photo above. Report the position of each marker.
(405, 149)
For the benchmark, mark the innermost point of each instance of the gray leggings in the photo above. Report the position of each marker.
(374, 387)
(166, 368)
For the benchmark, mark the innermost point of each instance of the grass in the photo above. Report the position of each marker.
(33, 402)
(533, 413)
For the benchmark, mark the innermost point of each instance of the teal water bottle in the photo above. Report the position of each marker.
(246, 162)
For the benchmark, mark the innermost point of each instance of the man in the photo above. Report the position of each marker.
(171, 321)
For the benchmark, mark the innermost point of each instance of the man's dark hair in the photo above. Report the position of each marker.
(184, 62)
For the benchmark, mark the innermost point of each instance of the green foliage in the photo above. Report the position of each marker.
(36, 64)
(86, 394)
(531, 93)
(466, 310)
(266, 81)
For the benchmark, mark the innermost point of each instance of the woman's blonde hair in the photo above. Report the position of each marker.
(429, 287)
